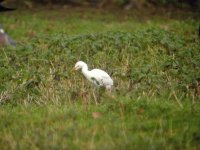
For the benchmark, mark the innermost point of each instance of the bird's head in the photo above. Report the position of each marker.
(79, 65)
(1, 30)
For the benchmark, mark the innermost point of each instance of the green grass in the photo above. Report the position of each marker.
(155, 64)
(123, 124)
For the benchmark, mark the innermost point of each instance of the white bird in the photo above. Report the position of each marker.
(97, 76)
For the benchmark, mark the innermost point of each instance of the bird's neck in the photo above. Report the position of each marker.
(85, 71)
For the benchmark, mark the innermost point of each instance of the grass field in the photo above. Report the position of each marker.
(153, 60)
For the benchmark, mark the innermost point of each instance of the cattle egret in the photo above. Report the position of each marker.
(97, 76)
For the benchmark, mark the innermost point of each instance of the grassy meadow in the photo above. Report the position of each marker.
(153, 60)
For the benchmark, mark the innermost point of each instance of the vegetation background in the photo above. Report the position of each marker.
(150, 48)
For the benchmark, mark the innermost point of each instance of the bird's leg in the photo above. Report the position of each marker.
(109, 90)
(98, 94)
(101, 92)
(94, 95)
(109, 93)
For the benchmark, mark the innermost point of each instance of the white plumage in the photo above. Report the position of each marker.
(97, 76)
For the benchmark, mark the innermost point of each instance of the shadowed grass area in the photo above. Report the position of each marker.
(154, 63)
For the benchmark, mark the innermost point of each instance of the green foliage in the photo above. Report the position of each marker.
(150, 60)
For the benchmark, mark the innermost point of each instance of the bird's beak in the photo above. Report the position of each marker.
(73, 69)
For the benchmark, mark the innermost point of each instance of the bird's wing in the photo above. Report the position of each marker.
(102, 77)
(99, 72)
(107, 80)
